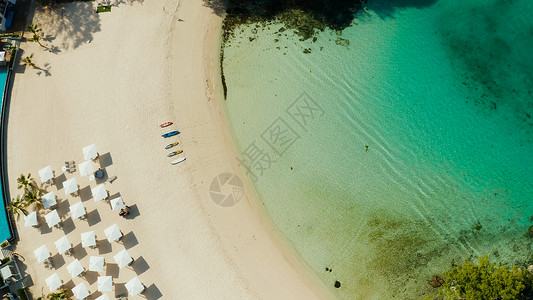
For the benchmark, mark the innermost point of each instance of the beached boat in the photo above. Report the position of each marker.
(169, 134)
(165, 124)
(171, 145)
(174, 153)
(177, 161)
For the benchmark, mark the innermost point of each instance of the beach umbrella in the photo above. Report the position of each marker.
(53, 282)
(96, 264)
(103, 297)
(117, 203)
(105, 283)
(49, 200)
(99, 192)
(31, 219)
(77, 210)
(52, 218)
(113, 233)
(86, 168)
(75, 268)
(63, 244)
(80, 291)
(134, 286)
(41, 253)
(123, 258)
(89, 152)
(88, 239)
(6, 272)
(70, 186)
(46, 174)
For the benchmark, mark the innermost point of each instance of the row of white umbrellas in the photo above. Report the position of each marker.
(77, 210)
(104, 283)
(86, 168)
(88, 239)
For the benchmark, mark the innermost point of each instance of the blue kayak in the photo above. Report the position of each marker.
(169, 134)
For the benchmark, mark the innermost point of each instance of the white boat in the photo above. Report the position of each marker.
(177, 161)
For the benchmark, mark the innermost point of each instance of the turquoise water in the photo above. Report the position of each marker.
(4, 228)
(440, 92)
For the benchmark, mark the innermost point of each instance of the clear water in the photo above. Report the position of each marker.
(4, 228)
(440, 92)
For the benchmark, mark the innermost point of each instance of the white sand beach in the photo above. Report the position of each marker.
(110, 79)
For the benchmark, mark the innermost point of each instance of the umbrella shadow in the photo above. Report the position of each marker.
(90, 276)
(44, 227)
(152, 292)
(85, 193)
(134, 212)
(120, 289)
(59, 181)
(129, 240)
(104, 247)
(93, 217)
(105, 160)
(112, 269)
(79, 252)
(140, 265)
(63, 206)
(58, 260)
(68, 226)
(69, 285)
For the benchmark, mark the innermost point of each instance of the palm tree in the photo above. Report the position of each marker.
(23, 181)
(61, 295)
(17, 207)
(36, 31)
(32, 197)
(28, 60)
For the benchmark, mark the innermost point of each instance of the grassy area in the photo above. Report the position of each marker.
(103, 8)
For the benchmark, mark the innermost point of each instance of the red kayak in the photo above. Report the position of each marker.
(165, 124)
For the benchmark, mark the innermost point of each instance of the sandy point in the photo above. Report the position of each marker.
(110, 79)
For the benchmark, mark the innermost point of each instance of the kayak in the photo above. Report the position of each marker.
(165, 124)
(171, 145)
(177, 161)
(169, 134)
(174, 153)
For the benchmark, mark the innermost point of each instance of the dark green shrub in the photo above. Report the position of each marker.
(5, 260)
(22, 294)
(486, 280)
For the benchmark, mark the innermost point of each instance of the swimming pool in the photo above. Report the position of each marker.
(5, 232)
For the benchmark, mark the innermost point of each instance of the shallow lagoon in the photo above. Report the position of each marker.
(388, 159)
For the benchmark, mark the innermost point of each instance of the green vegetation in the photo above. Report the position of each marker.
(61, 295)
(28, 61)
(10, 34)
(4, 244)
(12, 60)
(36, 31)
(103, 8)
(22, 294)
(31, 196)
(486, 280)
(5, 260)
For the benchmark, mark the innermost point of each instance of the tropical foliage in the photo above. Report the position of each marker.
(486, 280)
(31, 196)
(36, 31)
(28, 60)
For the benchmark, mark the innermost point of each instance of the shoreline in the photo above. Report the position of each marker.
(185, 240)
(294, 260)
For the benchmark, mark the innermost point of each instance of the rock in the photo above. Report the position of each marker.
(530, 231)
(337, 284)
(530, 268)
(307, 51)
(338, 32)
(342, 42)
(436, 281)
